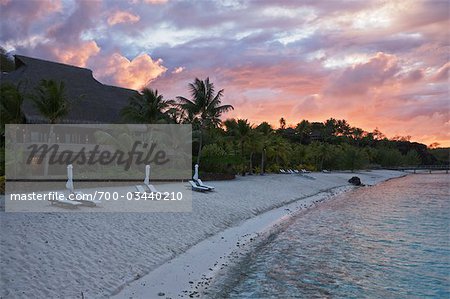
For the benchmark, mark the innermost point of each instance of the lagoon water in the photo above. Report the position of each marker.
(391, 240)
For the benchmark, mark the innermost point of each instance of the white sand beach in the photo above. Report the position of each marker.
(146, 255)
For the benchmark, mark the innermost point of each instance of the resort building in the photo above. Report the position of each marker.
(90, 101)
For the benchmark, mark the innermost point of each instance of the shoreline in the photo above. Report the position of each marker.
(116, 252)
(190, 273)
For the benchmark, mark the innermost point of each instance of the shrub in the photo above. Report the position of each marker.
(2, 184)
(214, 159)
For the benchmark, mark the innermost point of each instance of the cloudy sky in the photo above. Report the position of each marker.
(378, 64)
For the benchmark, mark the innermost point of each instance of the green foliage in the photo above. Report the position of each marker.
(442, 154)
(411, 158)
(319, 154)
(149, 107)
(10, 106)
(273, 168)
(354, 158)
(2, 184)
(387, 157)
(51, 101)
(215, 159)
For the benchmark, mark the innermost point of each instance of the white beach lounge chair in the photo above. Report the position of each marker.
(196, 187)
(66, 203)
(147, 184)
(200, 184)
(296, 171)
(282, 171)
(151, 188)
(70, 188)
(85, 202)
(140, 189)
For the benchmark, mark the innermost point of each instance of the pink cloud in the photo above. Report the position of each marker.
(360, 78)
(119, 16)
(134, 74)
(155, 1)
(178, 70)
(76, 55)
(442, 73)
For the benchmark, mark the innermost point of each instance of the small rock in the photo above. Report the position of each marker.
(355, 181)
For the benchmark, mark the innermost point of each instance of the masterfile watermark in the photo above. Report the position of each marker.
(98, 167)
(49, 196)
(141, 153)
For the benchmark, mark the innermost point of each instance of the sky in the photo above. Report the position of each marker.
(377, 64)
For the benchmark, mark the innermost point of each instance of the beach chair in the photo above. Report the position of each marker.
(147, 184)
(200, 184)
(151, 188)
(70, 188)
(282, 171)
(65, 203)
(196, 187)
(85, 202)
(197, 181)
(296, 171)
(140, 189)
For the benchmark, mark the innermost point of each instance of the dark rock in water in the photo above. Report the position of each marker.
(355, 181)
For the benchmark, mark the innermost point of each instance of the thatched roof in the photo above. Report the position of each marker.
(90, 100)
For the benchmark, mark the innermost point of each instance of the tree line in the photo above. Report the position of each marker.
(236, 145)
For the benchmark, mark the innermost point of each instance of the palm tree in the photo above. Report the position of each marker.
(51, 100)
(244, 135)
(303, 129)
(11, 113)
(10, 106)
(204, 108)
(265, 130)
(342, 128)
(278, 149)
(147, 107)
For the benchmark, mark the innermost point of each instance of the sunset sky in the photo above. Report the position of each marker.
(378, 64)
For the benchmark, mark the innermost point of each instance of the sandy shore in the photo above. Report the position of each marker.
(146, 255)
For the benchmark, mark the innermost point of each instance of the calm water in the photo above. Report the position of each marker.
(391, 241)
